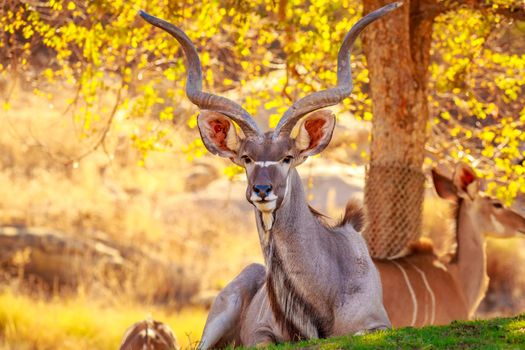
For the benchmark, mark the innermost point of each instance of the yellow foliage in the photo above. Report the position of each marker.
(107, 49)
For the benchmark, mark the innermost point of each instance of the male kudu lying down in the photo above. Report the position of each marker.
(418, 289)
(319, 281)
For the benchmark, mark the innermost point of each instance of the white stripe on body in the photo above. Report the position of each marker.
(430, 291)
(263, 308)
(411, 290)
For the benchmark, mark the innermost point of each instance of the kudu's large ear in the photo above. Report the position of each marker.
(444, 186)
(315, 133)
(466, 181)
(218, 134)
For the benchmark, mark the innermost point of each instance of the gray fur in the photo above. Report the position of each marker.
(320, 281)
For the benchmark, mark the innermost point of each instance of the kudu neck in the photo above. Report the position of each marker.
(293, 221)
(294, 255)
(294, 215)
(470, 259)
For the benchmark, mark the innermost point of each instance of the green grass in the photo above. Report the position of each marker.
(499, 333)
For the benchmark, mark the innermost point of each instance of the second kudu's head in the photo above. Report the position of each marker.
(267, 157)
(487, 214)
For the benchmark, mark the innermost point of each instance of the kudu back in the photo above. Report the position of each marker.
(318, 281)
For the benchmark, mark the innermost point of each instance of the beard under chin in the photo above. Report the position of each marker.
(266, 210)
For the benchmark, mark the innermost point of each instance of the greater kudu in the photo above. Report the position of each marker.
(149, 335)
(418, 289)
(318, 281)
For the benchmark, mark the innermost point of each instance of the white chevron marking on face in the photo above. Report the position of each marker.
(266, 163)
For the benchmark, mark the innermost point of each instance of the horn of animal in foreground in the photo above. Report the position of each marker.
(330, 97)
(194, 91)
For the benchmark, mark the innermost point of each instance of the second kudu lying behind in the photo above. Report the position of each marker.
(319, 281)
(418, 289)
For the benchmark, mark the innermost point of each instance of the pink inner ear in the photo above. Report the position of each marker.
(219, 130)
(466, 178)
(314, 128)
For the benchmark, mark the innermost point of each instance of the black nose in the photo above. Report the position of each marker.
(262, 190)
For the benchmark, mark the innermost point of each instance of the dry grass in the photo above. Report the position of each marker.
(109, 196)
(81, 323)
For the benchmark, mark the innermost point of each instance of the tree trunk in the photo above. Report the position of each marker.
(397, 52)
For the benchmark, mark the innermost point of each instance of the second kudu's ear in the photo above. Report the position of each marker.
(444, 186)
(315, 133)
(218, 134)
(466, 181)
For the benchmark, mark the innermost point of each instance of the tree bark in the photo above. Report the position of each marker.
(397, 52)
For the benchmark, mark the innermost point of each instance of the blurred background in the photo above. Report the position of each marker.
(111, 209)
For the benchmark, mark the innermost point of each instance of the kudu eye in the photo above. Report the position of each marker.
(246, 159)
(287, 159)
(497, 205)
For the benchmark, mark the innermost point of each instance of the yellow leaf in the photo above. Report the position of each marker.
(445, 115)
(71, 6)
(488, 136)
